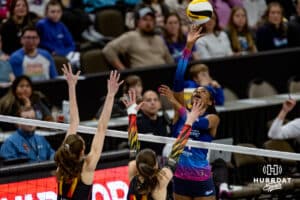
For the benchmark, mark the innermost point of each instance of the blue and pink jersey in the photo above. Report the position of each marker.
(193, 164)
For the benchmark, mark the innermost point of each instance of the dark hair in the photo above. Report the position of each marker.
(53, 3)
(146, 166)
(29, 28)
(211, 109)
(13, 4)
(17, 81)
(130, 81)
(167, 36)
(68, 158)
(9, 103)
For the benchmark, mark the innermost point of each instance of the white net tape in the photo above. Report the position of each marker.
(157, 139)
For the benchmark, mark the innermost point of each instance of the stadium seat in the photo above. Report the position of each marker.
(280, 145)
(110, 22)
(243, 163)
(59, 61)
(260, 88)
(294, 84)
(93, 61)
(229, 95)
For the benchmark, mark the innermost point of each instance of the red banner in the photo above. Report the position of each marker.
(109, 184)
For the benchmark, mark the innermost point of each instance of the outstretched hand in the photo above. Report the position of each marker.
(131, 100)
(113, 83)
(193, 35)
(70, 77)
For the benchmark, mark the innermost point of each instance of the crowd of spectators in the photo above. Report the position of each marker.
(157, 37)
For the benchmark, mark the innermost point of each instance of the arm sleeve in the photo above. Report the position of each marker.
(16, 63)
(180, 70)
(287, 131)
(178, 147)
(133, 142)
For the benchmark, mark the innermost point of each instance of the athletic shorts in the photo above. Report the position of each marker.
(194, 188)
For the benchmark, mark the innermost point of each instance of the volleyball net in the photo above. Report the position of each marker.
(112, 182)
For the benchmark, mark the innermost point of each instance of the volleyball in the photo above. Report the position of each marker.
(199, 11)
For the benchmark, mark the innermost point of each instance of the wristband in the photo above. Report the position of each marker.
(131, 109)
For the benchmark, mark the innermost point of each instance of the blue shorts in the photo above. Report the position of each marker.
(194, 188)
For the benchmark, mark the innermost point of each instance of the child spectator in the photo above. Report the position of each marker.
(55, 37)
(201, 77)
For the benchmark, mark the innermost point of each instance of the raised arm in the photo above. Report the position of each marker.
(183, 137)
(72, 82)
(192, 37)
(133, 142)
(98, 140)
(280, 131)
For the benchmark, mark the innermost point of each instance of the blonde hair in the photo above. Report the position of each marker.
(197, 68)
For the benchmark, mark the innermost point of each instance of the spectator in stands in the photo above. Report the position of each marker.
(149, 121)
(287, 5)
(55, 37)
(25, 143)
(174, 38)
(11, 29)
(6, 73)
(223, 9)
(36, 63)
(201, 77)
(255, 10)
(215, 43)
(240, 35)
(291, 129)
(78, 22)
(273, 33)
(160, 8)
(142, 46)
(21, 94)
(179, 7)
(294, 27)
(130, 82)
(75, 171)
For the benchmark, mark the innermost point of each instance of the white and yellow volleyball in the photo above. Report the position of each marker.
(199, 11)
